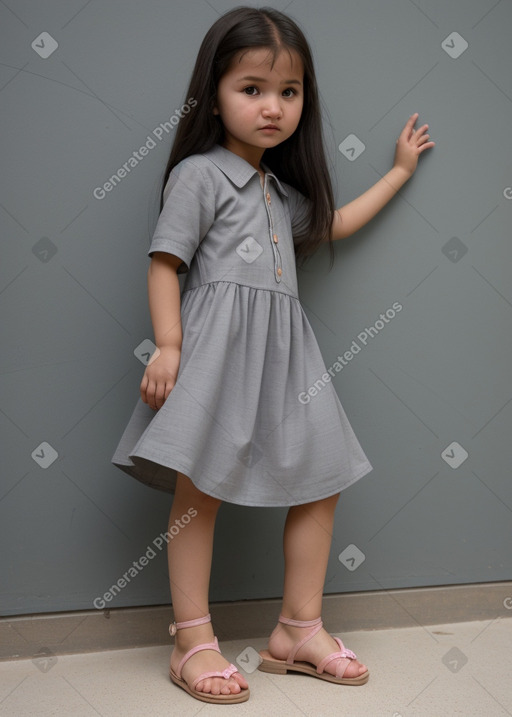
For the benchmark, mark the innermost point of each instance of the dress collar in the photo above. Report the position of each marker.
(238, 170)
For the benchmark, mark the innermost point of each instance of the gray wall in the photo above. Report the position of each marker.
(73, 296)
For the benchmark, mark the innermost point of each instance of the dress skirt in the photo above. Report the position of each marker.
(253, 418)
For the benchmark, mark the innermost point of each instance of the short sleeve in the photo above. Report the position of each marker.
(187, 213)
(299, 208)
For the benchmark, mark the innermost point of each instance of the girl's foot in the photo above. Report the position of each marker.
(204, 661)
(285, 637)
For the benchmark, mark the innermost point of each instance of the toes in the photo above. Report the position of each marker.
(218, 686)
(232, 687)
(240, 680)
(344, 667)
(354, 669)
(200, 687)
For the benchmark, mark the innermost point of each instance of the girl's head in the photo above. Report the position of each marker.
(265, 42)
(257, 91)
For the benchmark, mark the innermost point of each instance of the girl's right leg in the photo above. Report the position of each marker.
(190, 557)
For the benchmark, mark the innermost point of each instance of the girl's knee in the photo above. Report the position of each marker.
(331, 502)
(186, 490)
(323, 506)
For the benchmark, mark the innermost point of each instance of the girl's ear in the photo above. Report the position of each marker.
(215, 110)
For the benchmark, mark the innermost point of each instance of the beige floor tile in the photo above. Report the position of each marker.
(447, 670)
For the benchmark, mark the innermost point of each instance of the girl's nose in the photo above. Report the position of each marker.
(272, 108)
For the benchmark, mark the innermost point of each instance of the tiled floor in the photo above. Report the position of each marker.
(439, 671)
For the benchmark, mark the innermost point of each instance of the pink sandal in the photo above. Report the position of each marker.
(281, 667)
(227, 673)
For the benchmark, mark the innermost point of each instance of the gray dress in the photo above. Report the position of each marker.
(253, 418)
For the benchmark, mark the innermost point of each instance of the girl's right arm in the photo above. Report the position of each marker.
(358, 212)
(164, 306)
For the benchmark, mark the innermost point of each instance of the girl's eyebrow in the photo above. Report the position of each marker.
(251, 78)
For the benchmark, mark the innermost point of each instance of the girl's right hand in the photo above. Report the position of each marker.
(160, 376)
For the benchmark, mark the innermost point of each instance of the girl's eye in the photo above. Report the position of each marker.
(252, 91)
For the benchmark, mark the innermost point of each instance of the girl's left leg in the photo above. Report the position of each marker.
(307, 543)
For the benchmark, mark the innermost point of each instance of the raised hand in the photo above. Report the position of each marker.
(410, 144)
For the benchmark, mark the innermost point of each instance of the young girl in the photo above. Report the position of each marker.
(225, 413)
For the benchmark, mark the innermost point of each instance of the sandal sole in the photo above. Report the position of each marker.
(280, 667)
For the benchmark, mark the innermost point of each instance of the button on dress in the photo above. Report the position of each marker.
(239, 421)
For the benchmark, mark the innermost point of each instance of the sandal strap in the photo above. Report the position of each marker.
(300, 623)
(343, 653)
(174, 626)
(205, 646)
(315, 624)
(226, 674)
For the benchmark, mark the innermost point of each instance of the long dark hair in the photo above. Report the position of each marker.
(299, 160)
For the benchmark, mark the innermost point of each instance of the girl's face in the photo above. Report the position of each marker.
(260, 107)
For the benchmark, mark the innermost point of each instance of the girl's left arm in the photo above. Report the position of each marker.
(354, 215)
